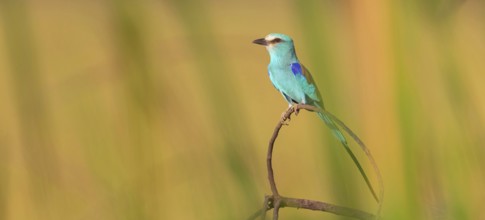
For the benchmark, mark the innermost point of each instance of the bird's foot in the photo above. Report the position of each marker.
(285, 120)
(296, 109)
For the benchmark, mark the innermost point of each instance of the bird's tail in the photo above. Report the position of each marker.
(338, 134)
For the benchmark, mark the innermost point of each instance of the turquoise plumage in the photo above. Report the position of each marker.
(296, 85)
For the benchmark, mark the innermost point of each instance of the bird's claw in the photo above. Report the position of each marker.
(285, 120)
(296, 109)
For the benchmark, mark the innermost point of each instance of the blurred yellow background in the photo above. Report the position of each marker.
(163, 109)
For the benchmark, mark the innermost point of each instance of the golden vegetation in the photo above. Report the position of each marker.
(163, 109)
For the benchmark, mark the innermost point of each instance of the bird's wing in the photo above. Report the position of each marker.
(306, 82)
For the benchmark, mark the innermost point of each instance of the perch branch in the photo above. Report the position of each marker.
(276, 201)
(313, 205)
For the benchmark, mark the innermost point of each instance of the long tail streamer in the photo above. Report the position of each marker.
(331, 121)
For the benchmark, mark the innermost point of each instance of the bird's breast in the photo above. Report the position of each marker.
(284, 80)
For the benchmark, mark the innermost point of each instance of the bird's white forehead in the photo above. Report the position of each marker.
(269, 37)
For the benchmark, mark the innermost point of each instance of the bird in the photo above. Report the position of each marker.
(295, 83)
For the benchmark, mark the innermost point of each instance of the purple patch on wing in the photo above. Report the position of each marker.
(296, 69)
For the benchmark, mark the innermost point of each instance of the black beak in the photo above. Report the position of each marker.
(261, 41)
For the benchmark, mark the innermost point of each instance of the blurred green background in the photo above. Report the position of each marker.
(163, 109)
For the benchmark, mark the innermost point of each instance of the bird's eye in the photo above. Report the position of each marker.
(276, 40)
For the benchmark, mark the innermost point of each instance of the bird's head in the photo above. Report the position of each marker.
(277, 44)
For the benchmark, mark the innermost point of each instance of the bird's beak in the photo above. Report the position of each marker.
(261, 41)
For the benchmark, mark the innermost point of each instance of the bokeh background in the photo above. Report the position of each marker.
(163, 109)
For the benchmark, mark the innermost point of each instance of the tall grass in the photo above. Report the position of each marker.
(163, 109)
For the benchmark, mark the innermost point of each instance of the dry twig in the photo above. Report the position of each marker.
(276, 201)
